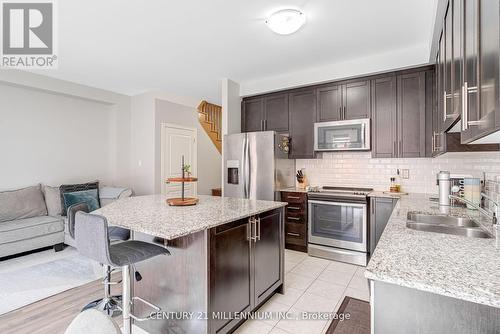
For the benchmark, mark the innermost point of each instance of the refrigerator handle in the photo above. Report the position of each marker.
(246, 168)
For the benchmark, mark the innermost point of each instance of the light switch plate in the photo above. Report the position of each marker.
(405, 173)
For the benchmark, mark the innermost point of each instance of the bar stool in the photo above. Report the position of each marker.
(92, 240)
(108, 304)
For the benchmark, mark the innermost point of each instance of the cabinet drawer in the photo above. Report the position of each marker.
(293, 197)
(299, 218)
(295, 208)
(295, 234)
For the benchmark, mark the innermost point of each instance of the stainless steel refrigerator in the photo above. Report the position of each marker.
(256, 165)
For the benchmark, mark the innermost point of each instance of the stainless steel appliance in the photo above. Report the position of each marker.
(351, 135)
(256, 165)
(444, 184)
(338, 224)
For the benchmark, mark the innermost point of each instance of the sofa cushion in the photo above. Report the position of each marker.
(22, 203)
(68, 188)
(89, 197)
(22, 229)
(52, 200)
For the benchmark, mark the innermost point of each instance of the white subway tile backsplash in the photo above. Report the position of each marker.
(359, 169)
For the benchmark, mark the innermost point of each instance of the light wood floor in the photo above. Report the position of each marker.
(53, 314)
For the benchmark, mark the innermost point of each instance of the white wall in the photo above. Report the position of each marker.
(355, 67)
(53, 139)
(209, 159)
(231, 107)
(359, 169)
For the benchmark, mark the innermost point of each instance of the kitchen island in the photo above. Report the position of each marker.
(425, 282)
(227, 256)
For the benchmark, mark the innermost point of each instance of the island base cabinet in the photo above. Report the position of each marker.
(397, 309)
(246, 266)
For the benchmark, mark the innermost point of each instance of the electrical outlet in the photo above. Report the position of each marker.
(405, 173)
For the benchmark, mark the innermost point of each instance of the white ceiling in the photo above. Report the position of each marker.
(185, 46)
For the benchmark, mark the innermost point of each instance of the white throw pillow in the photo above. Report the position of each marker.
(52, 200)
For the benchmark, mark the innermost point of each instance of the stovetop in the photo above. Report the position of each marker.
(344, 192)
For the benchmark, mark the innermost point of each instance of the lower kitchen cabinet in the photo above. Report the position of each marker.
(246, 266)
(295, 220)
(380, 211)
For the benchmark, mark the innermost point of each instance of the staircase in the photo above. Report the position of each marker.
(210, 117)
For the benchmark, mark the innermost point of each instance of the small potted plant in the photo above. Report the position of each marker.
(187, 169)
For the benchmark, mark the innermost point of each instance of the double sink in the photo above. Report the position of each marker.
(445, 224)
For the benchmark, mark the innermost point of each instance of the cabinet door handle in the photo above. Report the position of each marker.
(293, 234)
(293, 218)
(293, 197)
(395, 149)
(433, 141)
(464, 106)
(444, 106)
(257, 230)
(400, 148)
(294, 207)
(251, 222)
(340, 112)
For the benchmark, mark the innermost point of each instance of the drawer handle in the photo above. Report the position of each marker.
(293, 218)
(293, 197)
(294, 207)
(293, 234)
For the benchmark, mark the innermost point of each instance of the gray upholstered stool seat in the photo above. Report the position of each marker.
(133, 251)
(92, 241)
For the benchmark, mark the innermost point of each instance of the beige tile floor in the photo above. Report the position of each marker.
(311, 285)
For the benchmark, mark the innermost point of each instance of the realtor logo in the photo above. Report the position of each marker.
(28, 34)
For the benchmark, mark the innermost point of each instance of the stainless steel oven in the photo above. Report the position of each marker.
(351, 135)
(338, 225)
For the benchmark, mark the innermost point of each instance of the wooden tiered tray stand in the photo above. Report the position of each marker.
(182, 201)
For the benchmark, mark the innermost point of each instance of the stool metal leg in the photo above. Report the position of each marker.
(108, 304)
(126, 287)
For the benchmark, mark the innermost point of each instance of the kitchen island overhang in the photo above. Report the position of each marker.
(227, 258)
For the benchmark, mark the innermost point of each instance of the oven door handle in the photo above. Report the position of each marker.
(357, 205)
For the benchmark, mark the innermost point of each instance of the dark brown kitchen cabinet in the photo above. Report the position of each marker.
(246, 265)
(302, 113)
(411, 115)
(457, 61)
(484, 118)
(357, 100)
(344, 101)
(384, 117)
(380, 211)
(398, 116)
(329, 103)
(448, 69)
(436, 116)
(268, 260)
(252, 114)
(265, 113)
(276, 113)
(230, 275)
(295, 220)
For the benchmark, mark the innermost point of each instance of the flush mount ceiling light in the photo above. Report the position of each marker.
(286, 21)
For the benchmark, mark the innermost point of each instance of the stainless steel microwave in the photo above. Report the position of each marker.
(351, 135)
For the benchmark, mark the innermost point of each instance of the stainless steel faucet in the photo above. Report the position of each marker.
(492, 215)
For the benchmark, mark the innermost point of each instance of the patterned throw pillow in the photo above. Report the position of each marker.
(68, 188)
(90, 197)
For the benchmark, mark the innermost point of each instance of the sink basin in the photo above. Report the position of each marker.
(439, 219)
(463, 231)
(445, 224)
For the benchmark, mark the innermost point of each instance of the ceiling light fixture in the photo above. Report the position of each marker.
(286, 21)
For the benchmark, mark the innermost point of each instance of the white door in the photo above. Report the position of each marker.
(177, 141)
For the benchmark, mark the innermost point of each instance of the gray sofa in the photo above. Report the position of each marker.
(30, 218)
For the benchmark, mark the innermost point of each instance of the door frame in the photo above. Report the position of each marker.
(194, 164)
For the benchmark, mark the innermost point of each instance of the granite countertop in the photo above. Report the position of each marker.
(152, 215)
(454, 266)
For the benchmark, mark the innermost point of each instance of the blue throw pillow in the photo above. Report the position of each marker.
(90, 197)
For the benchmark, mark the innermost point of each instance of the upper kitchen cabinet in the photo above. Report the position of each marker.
(398, 115)
(448, 107)
(252, 114)
(482, 28)
(344, 101)
(329, 101)
(356, 100)
(265, 113)
(435, 113)
(302, 113)
(384, 117)
(411, 115)
(276, 112)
